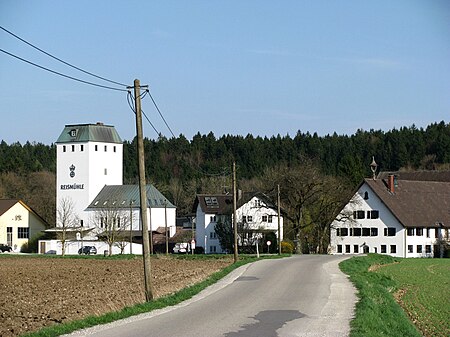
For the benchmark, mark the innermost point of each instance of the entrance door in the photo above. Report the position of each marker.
(366, 249)
(42, 248)
(9, 232)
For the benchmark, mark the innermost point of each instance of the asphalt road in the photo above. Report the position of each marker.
(297, 296)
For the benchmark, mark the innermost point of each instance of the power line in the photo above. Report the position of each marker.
(130, 97)
(62, 61)
(61, 74)
(159, 111)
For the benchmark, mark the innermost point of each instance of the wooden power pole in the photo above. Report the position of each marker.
(234, 215)
(143, 193)
(279, 220)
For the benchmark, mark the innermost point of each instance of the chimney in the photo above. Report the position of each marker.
(391, 185)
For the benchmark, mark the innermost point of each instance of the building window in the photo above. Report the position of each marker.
(428, 232)
(81, 223)
(374, 214)
(366, 195)
(106, 171)
(419, 231)
(366, 231)
(264, 218)
(96, 147)
(64, 148)
(106, 148)
(81, 148)
(393, 249)
(410, 231)
(410, 249)
(436, 233)
(339, 248)
(270, 218)
(357, 231)
(23, 232)
(419, 249)
(373, 231)
(358, 214)
(249, 218)
(73, 148)
(212, 249)
(213, 235)
(428, 249)
(342, 231)
(114, 148)
(383, 249)
(244, 219)
(355, 249)
(212, 218)
(347, 248)
(390, 231)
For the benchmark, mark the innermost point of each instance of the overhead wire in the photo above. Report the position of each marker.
(129, 99)
(160, 113)
(60, 60)
(60, 74)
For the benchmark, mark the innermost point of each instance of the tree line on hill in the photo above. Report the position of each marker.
(180, 168)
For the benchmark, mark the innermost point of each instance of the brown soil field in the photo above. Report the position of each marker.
(37, 292)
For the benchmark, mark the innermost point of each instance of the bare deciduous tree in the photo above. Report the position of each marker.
(113, 226)
(66, 221)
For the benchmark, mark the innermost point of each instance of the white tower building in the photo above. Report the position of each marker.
(89, 156)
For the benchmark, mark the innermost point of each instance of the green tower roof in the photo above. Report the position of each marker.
(89, 133)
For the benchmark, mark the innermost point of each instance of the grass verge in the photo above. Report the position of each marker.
(182, 295)
(377, 312)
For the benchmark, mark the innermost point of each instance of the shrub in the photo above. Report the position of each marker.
(287, 247)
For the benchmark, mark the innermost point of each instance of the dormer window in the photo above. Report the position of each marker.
(73, 133)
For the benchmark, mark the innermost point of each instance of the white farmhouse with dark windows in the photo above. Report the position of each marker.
(404, 214)
(255, 214)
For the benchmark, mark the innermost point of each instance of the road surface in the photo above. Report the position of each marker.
(303, 295)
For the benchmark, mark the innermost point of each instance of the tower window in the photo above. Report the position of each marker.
(81, 148)
(114, 148)
(96, 147)
(106, 171)
(106, 148)
(73, 148)
(64, 148)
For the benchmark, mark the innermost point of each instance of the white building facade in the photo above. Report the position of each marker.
(403, 218)
(88, 157)
(255, 214)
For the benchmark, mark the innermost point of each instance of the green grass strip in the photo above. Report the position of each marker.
(170, 300)
(376, 313)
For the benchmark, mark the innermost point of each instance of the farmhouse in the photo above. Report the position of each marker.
(18, 223)
(404, 214)
(92, 201)
(256, 216)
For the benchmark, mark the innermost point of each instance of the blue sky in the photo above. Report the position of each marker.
(230, 67)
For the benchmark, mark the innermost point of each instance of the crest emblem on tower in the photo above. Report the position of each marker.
(72, 171)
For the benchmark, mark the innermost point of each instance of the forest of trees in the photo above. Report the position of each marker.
(180, 168)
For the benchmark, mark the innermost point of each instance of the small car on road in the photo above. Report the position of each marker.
(87, 250)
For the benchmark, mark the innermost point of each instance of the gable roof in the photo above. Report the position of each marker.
(415, 203)
(6, 204)
(223, 203)
(89, 132)
(418, 175)
(121, 195)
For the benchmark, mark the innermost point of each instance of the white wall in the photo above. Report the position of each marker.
(72, 247)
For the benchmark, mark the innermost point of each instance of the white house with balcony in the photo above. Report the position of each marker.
(256, 215)
(403, 214)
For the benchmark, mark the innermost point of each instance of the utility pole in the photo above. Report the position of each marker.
(234, 215)
(279, 220)
(131, 227)
(165, 217)
(143, 192)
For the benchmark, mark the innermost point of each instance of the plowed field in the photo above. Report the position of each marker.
(36, 292)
